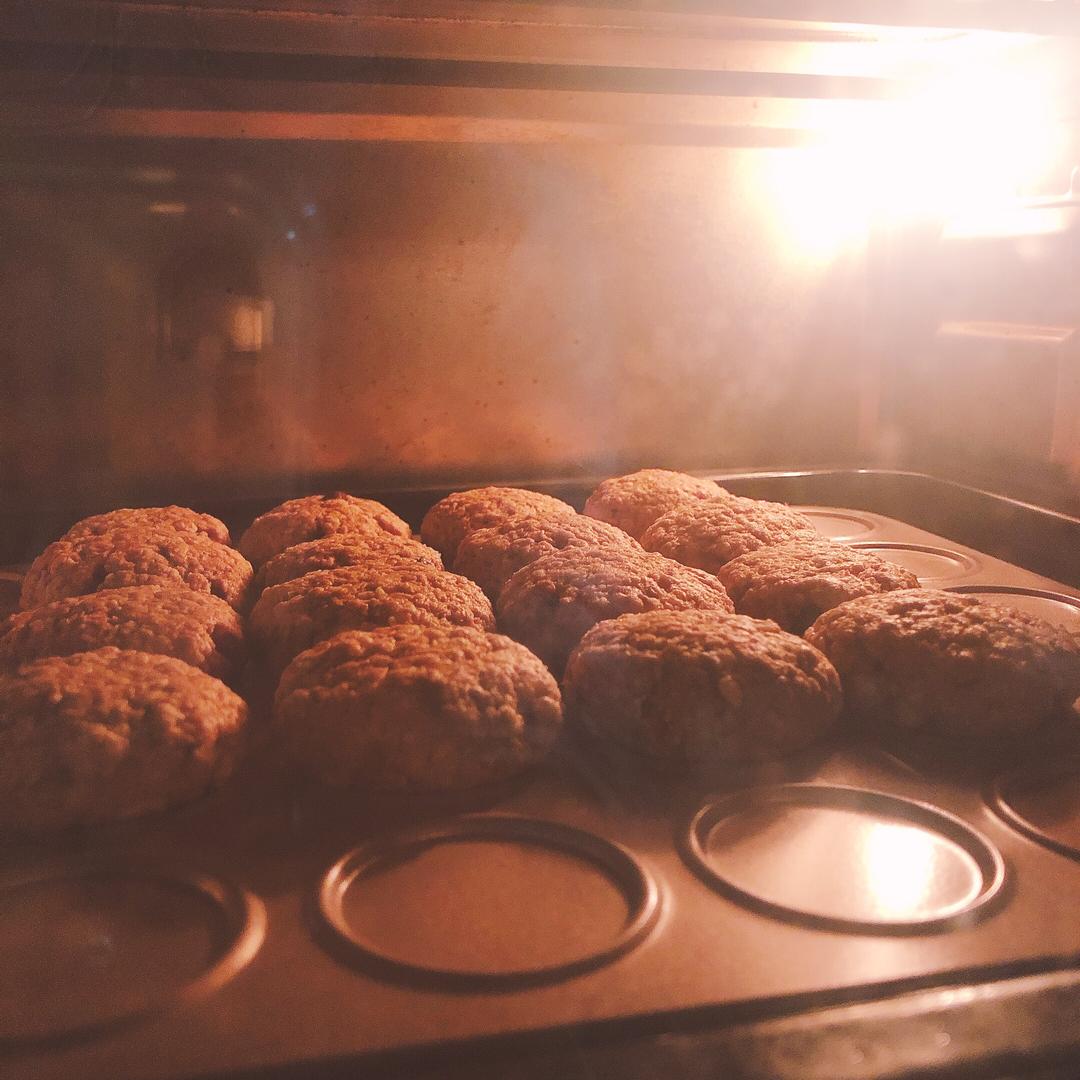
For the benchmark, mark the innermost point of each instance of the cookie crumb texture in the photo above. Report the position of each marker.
(152, 519)
(336, 552)
(794, 583)
(690, 688)
(130, 556)
(633, 502)
(490, 557)
(110, 734)
(451, 519)
(417, 708)
(194, 627)
(293, 616)
(550, 604)
(311, 518)
(709, 534)
(949, 665)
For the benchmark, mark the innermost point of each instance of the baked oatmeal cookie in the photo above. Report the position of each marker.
(492, 556)
(110, 734)
(694, 689)
(634, 502)
(793, 583)
(551, 603)
(336, 552)
(311, 518)
(950, 666)
(417, 708)
(446, 524)
(166, 620)
(297, 614)
(709, 534)
(130, 556)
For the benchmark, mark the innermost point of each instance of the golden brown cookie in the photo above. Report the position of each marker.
(709, 534)
(446, 524)
(151, 519)
(336, 552)
(695, 689)
(131, 556)
(951, 666)
(634, 502)
(492, 556)
(167, 620)
(313, 517)
(293, 616)
(551, 603)
(417, 708)
(793, 583)
(110, 734)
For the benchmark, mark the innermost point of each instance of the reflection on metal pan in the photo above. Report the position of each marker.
(1055, 607)
(929, 564)
(839, 525)
(845, 859)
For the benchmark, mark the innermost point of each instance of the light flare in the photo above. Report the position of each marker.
(966, 144)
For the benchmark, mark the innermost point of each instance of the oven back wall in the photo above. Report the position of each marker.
(255, 313)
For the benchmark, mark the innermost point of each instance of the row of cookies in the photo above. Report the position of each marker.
(106, 709)
(113, 695)
(651, 654)
(388, 672)
(393, 678)
(377, 706)
(910, 659)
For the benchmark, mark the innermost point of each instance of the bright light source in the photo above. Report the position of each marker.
(1014, 221)
(967, 142)
(250, 321)
(168, 209)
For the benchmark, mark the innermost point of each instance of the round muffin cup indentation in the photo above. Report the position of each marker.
(839, 525)
(1058, 608)
(1043, 804)
(604, 870)
(925, 562)
(910, 855)
(103, 945)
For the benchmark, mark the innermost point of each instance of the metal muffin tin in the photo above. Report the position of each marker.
(493, 904)
(665, 921)
(896, 866)
(94, 947)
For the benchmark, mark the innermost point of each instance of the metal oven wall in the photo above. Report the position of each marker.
(407, 313)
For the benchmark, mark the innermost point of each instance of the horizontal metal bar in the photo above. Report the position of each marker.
(690, 36)
(346, 127)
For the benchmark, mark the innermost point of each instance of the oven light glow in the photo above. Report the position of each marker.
(153, 174)
(963, 146)
(250, 321)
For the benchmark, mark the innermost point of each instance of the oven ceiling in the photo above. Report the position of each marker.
(666, 73)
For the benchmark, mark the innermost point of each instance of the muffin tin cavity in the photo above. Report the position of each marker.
(89, 949)
(931, 565)
(488, 902)
(842, 858)
(1042, 804)
(1058, 608)
(839, 525)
